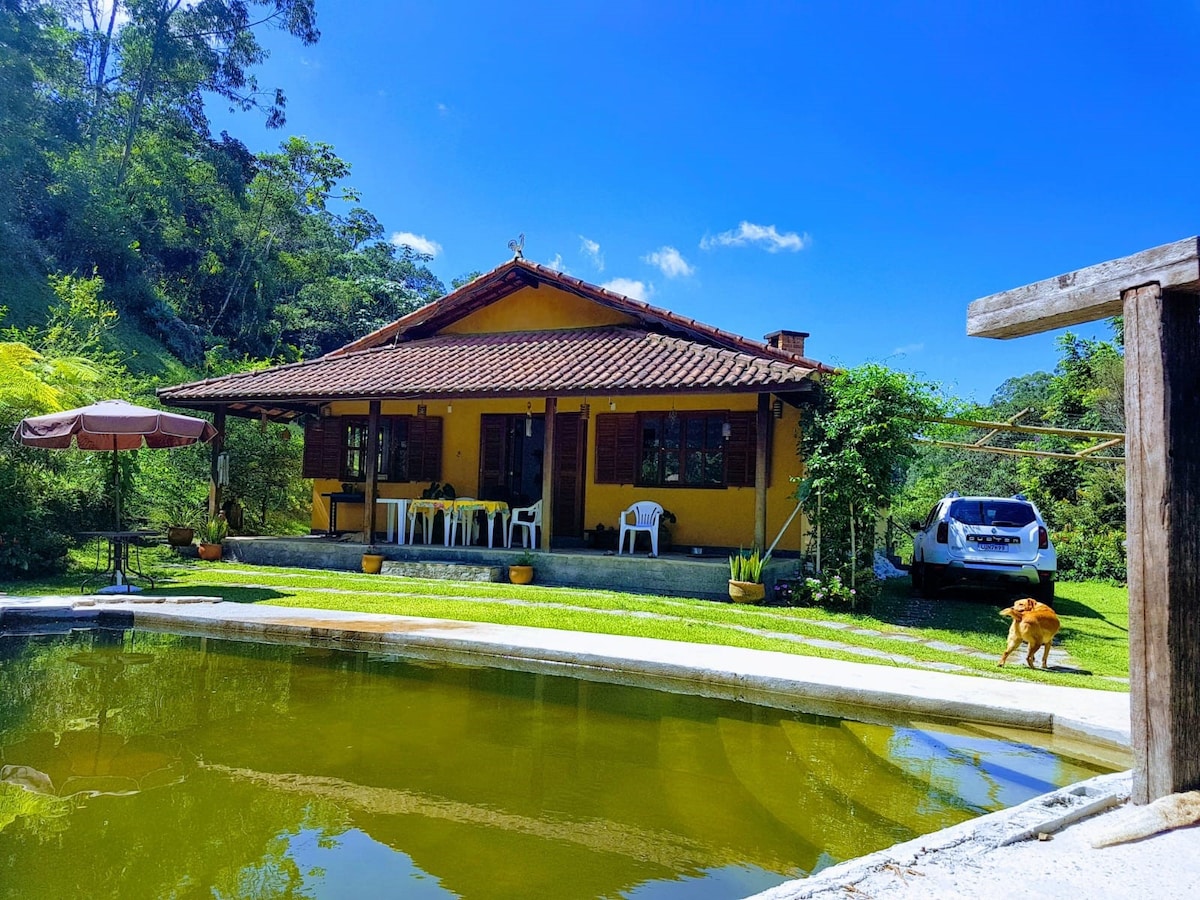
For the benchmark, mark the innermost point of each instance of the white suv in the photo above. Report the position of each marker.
(996, 541)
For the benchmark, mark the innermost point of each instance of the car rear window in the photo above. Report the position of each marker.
(1008, 513)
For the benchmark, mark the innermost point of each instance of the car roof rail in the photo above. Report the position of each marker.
(1020, 497)
(953, 494)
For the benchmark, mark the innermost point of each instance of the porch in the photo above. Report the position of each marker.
(677, 574)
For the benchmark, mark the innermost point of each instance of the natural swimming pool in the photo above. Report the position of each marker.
(144, 764)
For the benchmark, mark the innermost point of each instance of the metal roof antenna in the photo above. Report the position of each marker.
(518, 246)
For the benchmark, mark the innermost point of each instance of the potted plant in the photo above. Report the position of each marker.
(215, 530)
(372, 560)
(745, 576)
(520, 571)
(177, 512)
(181, 515)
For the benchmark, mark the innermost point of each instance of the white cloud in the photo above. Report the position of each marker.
(907, 349)
(443, 109)
(671, 262)
(766, 235)
(418, 242)
(557, 264)
(638, 290)
(592, 250)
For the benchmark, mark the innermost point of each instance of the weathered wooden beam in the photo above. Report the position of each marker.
(1103, 445)
(548, 472)
(1086, 294)
(761, 461)
(1020, 451)
(1162, 407)
(372, 473)
(1028, 429)
(1011, 420)
(216, 446)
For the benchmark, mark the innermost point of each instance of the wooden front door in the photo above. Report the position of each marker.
(570, 466)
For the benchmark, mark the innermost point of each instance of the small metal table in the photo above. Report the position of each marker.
(119, 567)
(336, 497)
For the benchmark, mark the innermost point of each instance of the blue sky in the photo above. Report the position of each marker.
(891, 162)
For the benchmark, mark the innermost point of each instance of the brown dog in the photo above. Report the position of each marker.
(1034, 623)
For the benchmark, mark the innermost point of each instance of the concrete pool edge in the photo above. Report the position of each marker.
(773, 678)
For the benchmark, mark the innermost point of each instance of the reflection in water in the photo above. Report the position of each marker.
(156, 765)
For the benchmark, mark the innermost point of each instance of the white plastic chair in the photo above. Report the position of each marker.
(646, 514)
(529, 518)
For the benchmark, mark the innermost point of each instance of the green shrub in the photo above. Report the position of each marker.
(827, 591)
(1088, 556)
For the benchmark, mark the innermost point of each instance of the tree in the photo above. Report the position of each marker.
(855, 444)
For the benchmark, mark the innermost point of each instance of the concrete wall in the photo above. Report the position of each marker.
(705, 578)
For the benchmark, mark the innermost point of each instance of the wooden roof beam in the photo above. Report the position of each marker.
(1086, 294)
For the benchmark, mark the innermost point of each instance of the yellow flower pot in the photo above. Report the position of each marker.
(746, 591)
(372, 563)
(520, 574)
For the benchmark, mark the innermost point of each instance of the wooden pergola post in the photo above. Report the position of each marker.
(1158, 292)
(216, 448)
(372, 473)
(761, 445)
(548, 472)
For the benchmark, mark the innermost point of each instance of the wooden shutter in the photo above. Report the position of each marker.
(322, 448)
(740, 449)
(425, 448)
(617, 448)
(493, 456)
(570, 444)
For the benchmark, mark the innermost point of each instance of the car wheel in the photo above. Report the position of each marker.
(1045, 593)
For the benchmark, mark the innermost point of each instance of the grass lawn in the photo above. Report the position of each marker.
(1095, 616)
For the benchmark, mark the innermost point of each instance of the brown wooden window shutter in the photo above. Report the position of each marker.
(425, 448)
(493, 455)
(322, 448)
(740, 449)
(617, 448)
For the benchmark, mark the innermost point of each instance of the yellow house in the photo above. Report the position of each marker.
(527, 384)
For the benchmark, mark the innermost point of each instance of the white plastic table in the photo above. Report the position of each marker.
(397, 517)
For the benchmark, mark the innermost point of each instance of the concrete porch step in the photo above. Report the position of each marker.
(444, 570)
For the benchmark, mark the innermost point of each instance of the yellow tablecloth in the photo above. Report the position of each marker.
(452, 509)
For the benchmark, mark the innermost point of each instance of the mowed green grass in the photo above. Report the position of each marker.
(1094, 616)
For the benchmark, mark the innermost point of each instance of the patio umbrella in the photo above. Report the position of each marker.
(113, 425)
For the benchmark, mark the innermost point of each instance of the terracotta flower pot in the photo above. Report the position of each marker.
(372, 563)
(746, 591)
(178, 536)
(210, 552)
(520, 574)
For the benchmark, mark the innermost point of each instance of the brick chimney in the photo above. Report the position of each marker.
(787, 341)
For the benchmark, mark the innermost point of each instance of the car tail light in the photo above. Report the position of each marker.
(1043, 538)
(943, 533)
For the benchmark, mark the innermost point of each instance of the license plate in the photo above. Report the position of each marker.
(999, 548)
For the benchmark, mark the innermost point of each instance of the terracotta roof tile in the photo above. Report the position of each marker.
(612, 359)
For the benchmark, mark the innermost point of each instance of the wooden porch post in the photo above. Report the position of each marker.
(1162, 407)
(1156, 290)
(216, 447)
(372, 473)
(548, 473)
(763, 429)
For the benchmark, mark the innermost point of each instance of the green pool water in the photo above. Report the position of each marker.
(141, 764)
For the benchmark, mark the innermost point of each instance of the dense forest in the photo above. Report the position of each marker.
(137, 248)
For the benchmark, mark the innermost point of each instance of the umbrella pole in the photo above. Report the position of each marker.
(116, 486)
